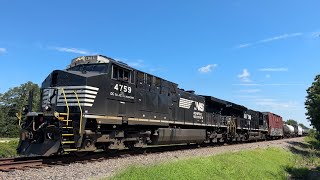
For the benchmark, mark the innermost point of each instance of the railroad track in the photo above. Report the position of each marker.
(10, 164)
(23, 163)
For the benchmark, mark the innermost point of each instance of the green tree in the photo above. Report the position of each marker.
(292, 122)
(12, 102)
(313, 103)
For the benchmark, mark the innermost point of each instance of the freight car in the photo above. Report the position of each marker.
(288, 130)
(305, 132)
(101, 103)
(297, 130)
(275, 125)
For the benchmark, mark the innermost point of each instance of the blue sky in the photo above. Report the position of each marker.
(263, 55)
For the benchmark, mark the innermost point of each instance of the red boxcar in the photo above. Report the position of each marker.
(275, 124)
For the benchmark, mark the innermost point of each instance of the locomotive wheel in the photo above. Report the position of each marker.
(109, 151)
(131, 146)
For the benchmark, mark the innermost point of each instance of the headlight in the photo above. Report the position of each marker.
(25, 109)
(47, 107)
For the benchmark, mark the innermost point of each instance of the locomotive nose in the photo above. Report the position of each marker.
(64, 78)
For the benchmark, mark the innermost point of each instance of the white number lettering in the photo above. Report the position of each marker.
(116, 87)
(124, 88)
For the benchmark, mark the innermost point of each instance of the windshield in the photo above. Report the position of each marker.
(101, 68)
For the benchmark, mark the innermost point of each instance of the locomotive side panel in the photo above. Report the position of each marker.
(191, 108)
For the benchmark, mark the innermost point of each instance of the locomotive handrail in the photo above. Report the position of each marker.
(67, 105)
(80, 129)
(19, 116)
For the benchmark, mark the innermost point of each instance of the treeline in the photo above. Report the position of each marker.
(313, 103)
(293, 122)
(12, 102)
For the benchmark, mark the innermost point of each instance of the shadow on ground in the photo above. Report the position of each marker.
(300, 144)
(308, 152)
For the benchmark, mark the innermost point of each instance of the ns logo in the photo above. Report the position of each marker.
(186, 104)
(199, 106)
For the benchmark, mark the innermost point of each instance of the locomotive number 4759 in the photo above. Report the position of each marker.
(123, 88)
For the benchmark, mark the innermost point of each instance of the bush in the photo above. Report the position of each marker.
(313, 139)
(8, 149)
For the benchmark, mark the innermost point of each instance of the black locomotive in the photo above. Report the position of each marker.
(101, 103)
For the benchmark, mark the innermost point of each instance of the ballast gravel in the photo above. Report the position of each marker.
(108, 167)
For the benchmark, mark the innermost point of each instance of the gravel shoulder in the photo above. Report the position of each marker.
(109, 167)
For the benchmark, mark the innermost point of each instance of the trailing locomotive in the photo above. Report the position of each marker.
(101, 103)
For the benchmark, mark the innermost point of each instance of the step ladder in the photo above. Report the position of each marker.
(68, 134)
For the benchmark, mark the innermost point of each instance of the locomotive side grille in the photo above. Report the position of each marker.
(86, 95)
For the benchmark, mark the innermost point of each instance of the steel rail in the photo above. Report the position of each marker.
(13, 164)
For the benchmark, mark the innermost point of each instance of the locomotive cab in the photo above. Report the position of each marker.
(65, 97)
(86, 107)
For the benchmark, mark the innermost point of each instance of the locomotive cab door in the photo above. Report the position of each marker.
(122, 89)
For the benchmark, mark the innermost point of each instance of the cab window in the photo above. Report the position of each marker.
(157, 81)
(122, 74)
(140, 77)
(149, 78)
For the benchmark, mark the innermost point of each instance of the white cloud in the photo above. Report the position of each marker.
(244, 45)
(274, 84)
(269, 104)
(273, 69)
(248, 97)
(275, 104)
(207, 68)
(3, 50)
(247, 84)
(72, 50)
(268, 76)
(141, 65)
(245, 76)
(133, 63)
(250, 90)
(267, 40)
(137, 64)
(283, 36)
(315, 34)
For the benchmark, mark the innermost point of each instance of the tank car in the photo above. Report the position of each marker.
(288, 130)
(305, 132)
(297, 130)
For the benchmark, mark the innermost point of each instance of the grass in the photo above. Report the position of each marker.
(2, 140)
(8, 147)
(268, 163)
(315, 143)
(302, 160)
